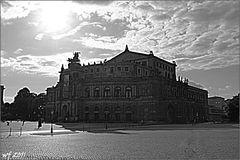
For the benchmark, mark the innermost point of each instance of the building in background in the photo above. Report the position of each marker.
(218, 109)
(2, 108)
(2, 90)
(131, 86)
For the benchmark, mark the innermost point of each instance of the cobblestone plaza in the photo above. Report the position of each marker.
(202, 141)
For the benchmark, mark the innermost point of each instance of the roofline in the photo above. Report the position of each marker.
(215, 97)
(146, 55)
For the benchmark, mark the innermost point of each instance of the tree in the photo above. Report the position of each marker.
(234, 109)
(39, 103)
(24, 102)
(27, 105)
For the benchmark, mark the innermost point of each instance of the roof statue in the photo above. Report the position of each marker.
(126, 48)
(75, 58)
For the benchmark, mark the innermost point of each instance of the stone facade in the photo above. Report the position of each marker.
(129, 87)
(217, 109)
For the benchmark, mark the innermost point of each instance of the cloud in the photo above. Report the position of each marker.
(101, 3)
(227, 87)
(161, 17)
(42, 65)
(18, 51)
(196, 34)
(39, 36)
(194, 84)
(16, 9)
(73, 31)
(8, 99)
(3, 53)
(208, 62)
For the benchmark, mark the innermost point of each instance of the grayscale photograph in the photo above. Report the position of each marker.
(120, 80)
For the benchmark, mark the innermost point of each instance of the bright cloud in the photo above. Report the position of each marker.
(18, 51)
(43, 65)
(198, 35)
(3, 52)
(167, 28)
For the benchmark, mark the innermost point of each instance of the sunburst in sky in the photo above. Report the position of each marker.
(201, 36)
(54, 18)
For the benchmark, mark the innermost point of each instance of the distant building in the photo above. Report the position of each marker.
(131, 86)
(2, 109)
(217, 108)
(2, 89)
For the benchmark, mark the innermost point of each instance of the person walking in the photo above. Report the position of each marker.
(39, 123)
(193, 121)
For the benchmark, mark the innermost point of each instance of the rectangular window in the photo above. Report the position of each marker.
(139, 71)
(119, 68)
(111, 70)
(75, 75)
(126, 68)
(97, 69)
(144, 63)
(91, 70)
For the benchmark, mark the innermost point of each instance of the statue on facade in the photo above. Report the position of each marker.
(75, 58)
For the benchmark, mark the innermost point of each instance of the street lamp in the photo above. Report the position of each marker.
(106, 118)
(51, 122)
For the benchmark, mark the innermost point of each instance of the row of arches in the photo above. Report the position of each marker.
(107, 92)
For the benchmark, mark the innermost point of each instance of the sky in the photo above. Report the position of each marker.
(201, 36)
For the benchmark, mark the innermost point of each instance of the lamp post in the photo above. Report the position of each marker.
(106, 118)
(34, 117)
(51, 123)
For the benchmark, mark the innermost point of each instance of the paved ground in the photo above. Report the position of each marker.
(201, 141)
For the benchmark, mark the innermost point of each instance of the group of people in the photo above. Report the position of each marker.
(23, 121)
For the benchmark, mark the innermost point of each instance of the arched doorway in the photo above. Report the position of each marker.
(170, 114)
(64, 113)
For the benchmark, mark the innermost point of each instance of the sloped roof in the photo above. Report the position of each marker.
(128, 55)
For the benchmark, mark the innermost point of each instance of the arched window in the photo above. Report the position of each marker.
(118, 109)
(106, 109)
(117, 92)
(86, 108)
(145, 91)
(96, 109)
(128, 108)
(128, 92)
(106, 92)
(87, 92)
(96, 92)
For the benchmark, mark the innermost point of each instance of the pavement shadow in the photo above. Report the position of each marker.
(108, 131)
(54, 133)
(116, 128)
(96, 127)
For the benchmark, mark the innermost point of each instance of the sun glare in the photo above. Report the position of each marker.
(54, 17)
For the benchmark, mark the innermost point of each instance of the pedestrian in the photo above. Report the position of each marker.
(193, 120)
(39, 123)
